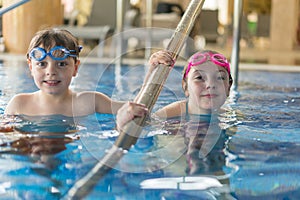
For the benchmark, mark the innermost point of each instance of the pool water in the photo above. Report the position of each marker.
(253, 152)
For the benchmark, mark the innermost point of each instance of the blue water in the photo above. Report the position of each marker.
(254, 156)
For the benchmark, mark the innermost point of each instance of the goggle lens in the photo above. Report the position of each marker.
(36, 54)
(59, 54)
(219, 58)
(200, 58)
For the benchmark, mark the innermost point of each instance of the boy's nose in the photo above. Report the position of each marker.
(51, 70)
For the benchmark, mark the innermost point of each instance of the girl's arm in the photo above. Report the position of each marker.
(174, 109)
(161, 57)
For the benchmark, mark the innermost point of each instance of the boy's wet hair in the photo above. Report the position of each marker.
(50, 37)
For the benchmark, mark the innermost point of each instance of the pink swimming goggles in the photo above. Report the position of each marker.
(200, 58)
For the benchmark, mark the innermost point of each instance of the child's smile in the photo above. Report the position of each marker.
(52, 82)
(207, 87)
(51, 76)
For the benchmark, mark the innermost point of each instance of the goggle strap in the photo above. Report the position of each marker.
(187, 70)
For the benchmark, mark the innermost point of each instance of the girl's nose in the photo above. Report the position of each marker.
(210, 83)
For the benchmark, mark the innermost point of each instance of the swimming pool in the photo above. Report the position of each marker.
(257, 156)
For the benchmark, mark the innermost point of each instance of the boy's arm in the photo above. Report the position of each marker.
(128, 112)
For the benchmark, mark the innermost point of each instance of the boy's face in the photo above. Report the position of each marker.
(53, 76)
(207, 87)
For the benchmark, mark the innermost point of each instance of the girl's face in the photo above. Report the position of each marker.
(53, 76)
(207, 87)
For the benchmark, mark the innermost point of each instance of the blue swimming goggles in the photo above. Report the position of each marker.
(56, 53)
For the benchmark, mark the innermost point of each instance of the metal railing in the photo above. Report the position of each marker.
(12, 6)
(237, 18)
(235, 54)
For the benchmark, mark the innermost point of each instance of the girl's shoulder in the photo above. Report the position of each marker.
(177, 108)
(88, 94)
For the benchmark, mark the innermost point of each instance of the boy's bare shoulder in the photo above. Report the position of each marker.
(17, 102)
(22, 97)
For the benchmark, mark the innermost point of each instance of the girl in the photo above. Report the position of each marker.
(206, 83)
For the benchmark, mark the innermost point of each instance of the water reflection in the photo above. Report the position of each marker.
(197, 165)
(201, 166)
(205, 142)
(38, 145)
(40, 137)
